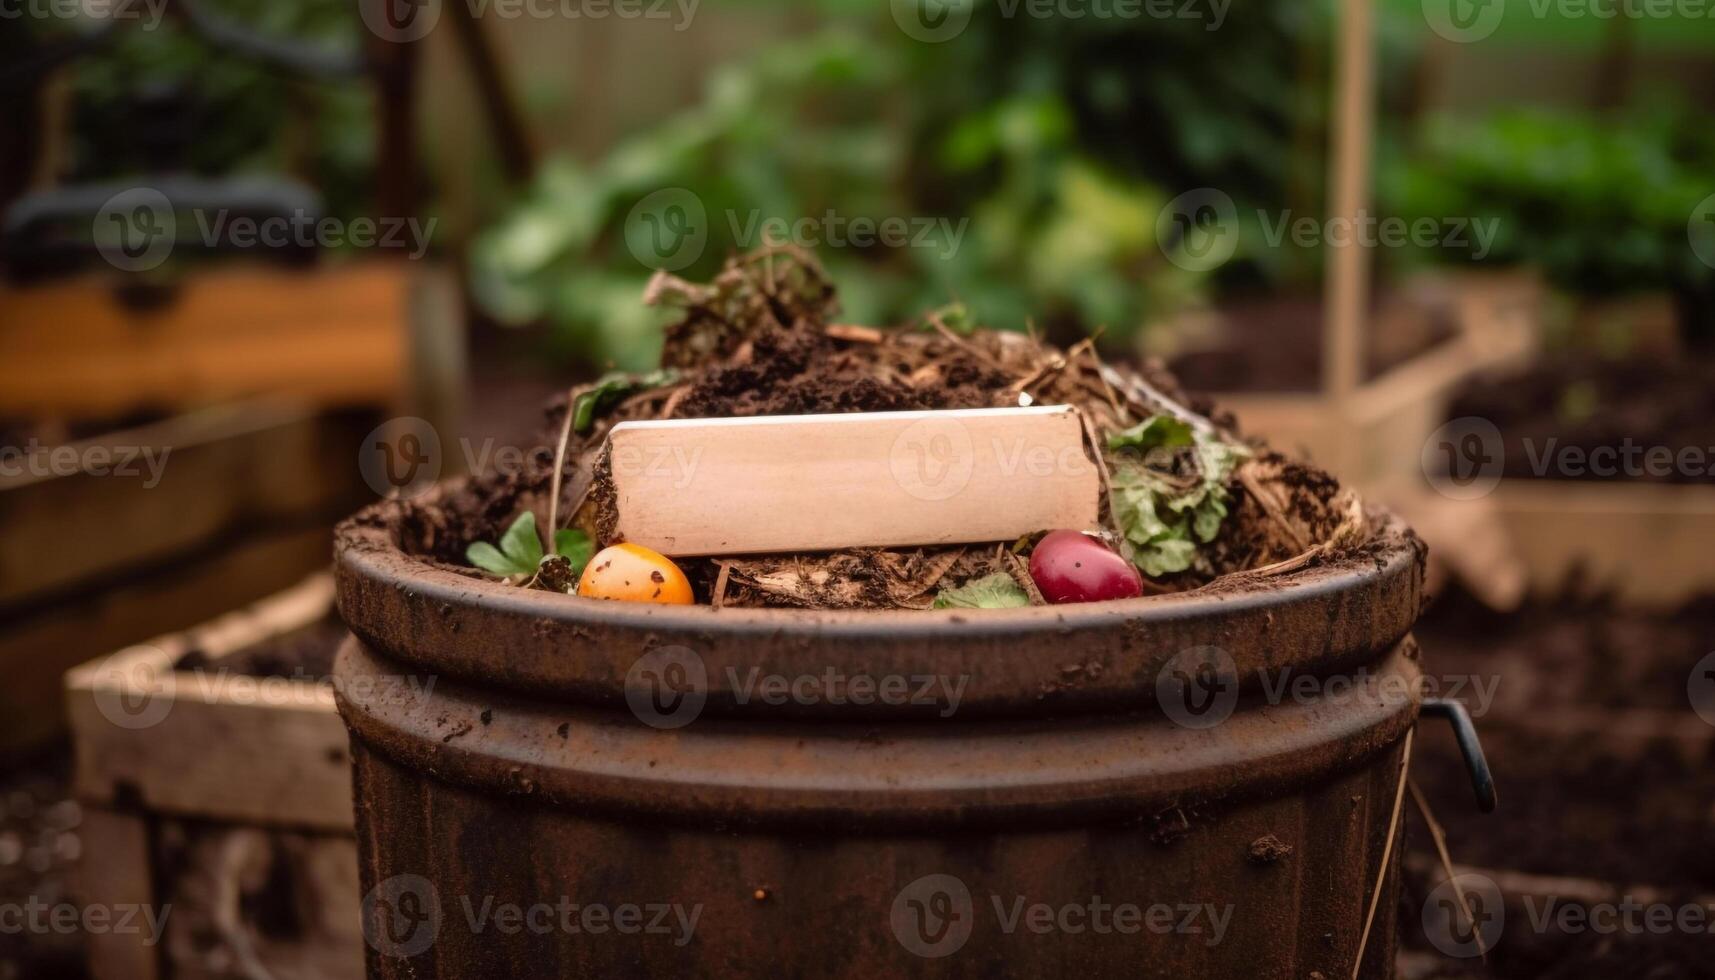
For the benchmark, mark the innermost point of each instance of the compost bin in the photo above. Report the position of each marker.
(552, 787)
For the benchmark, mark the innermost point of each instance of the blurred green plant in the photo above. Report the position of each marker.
(1060, 139)
(1599, 202)
(824, 126)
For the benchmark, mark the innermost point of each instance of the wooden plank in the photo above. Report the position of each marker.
(114, 872)
(211, 743)
(820, 482)
(142, 495)
(1348, 275)
(268, 751)
(1648, 542)
(40, 646)
(334, 335)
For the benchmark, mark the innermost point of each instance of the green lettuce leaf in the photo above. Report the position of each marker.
(1168, 494)
(997, 591)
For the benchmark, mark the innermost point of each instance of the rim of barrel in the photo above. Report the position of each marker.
(1005, 773)
(1322, 617)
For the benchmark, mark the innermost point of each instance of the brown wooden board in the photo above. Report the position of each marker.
(336, 335)
(88, 512)
(115, 871)
(212, 742)
(39, 646)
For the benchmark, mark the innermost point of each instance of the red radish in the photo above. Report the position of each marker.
(1070, 566)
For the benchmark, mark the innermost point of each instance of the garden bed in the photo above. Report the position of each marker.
(1642, 518)
(213, 769)
(1424, 341)
(1603, 772)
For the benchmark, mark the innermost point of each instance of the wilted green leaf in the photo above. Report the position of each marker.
(608, 390)
(997, 591)
(1169, 490)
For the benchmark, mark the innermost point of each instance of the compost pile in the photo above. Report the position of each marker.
(1187, 499)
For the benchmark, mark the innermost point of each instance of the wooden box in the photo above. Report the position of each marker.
(219, 793)
(92, 561)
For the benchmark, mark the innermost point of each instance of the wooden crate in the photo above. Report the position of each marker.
(1646, 543)
(1376, 436)
(365, 333)
(90, 563)
(1374, 439)
(201, 789)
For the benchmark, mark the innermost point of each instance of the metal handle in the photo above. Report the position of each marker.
(1482, 781)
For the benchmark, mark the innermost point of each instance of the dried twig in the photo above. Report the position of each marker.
(1096, 447)
(719, 595)
(853, 333)
(671, 405)
(1021, 574)
(1151, 397)
(1271, 506)
(953, 338)
(1387, 851)
(1440, 839)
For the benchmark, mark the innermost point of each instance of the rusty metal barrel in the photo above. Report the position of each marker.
(1191, 785)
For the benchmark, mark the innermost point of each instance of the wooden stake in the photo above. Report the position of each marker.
(1347, 284)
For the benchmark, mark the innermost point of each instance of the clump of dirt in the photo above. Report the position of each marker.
(762, 339)
(306, 653)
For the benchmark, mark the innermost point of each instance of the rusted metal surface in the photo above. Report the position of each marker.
(1043, 811)
(1017, 661)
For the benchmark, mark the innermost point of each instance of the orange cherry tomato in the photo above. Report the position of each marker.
(633, 573)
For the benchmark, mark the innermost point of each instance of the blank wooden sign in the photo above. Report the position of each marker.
(880, 479)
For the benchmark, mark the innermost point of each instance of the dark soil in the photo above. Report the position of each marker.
(305, 653)
(1274, 344)
(1584, 403)
(1587, 652)
(761, 340)
(39, 847)
(1579, 797)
